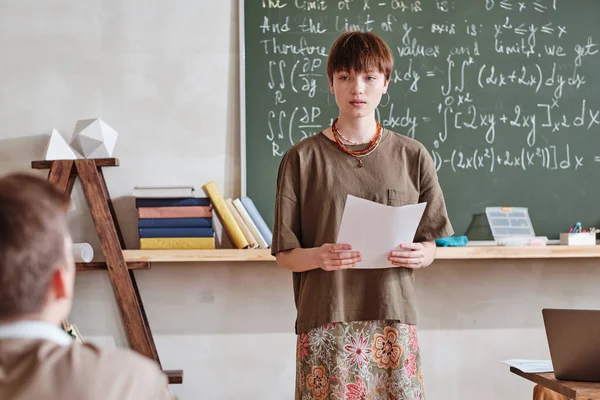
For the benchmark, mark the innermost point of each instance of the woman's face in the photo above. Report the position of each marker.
(358, 94)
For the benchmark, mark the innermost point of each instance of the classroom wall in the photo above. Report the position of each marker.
(165, 76)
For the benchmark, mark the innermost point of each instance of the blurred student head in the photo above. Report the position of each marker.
(37, 271)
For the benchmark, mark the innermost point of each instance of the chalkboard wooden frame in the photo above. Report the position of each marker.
(242, 89)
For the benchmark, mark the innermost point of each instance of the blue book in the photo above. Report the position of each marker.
(260, 223)
(175, 223)
(175, 232)
(176, 202)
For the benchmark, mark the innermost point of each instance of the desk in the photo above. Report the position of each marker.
(573, 390)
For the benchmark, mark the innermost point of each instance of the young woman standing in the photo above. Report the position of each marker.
(357, 336)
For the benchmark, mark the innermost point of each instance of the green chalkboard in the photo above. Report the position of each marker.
(504, 94)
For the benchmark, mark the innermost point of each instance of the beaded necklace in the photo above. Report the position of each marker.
(358, 154)
(348, 140)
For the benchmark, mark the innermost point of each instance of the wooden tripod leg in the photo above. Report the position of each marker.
(117, 268)
(146, 324)
(62, 175)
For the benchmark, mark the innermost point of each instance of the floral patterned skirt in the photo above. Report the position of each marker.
(366, 360)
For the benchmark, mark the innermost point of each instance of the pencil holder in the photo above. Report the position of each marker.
(578, 239)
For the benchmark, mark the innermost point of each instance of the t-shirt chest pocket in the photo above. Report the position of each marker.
(399, 198)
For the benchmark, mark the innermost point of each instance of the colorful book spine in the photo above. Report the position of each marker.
(175, 212)
(177, 243)
(258, 220)
(231, 227)
(244, 214)
(175, 232)
(175, 202)
(175, 223)
(236, 215)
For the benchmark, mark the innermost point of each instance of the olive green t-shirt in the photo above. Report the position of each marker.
(315, 177)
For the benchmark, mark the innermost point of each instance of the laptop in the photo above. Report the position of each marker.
(574, 342)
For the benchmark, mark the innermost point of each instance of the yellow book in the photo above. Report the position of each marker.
(233, 229)
(177, 243)
(241, 224)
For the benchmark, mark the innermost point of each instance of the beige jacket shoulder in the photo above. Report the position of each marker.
(41, 369)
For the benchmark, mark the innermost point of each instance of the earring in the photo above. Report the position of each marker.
(329, 101)
(388, 100)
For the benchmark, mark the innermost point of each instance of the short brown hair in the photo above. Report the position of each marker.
(359, 52)
(33, 228)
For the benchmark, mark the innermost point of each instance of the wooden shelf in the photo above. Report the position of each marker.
(513, 252)
(100, 162)
(101, 266)
(229, 255)
(63, 174)
(443, 253)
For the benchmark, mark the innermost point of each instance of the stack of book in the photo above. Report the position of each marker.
(243, 223)
(173, 218)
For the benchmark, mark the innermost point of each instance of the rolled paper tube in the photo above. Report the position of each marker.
(83, 252)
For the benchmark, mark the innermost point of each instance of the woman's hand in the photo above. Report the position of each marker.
(413, 255)
(329, 257)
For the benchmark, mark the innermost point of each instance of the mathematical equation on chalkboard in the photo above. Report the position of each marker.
(506, 87)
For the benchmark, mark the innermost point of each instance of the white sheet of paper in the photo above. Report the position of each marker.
(532, 366)
(375, 229)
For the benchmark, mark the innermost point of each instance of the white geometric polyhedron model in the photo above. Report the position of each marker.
(94, 138)
(58, 148)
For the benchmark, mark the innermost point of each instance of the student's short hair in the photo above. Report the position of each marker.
(359, 52)
(33, 228)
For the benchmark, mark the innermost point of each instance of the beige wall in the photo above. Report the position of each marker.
(165, 76)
